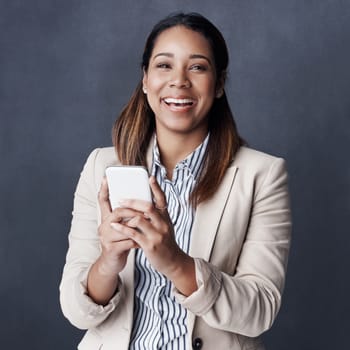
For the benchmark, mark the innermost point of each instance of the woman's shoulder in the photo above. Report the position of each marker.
(256, 170)
(250, 155)
(104, 156)
(256, 161)
(97, 162)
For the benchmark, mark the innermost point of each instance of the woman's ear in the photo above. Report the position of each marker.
(220, 85)
(144, 82)
(219, 93)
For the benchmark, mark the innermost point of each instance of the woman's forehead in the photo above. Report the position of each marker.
(181, 38)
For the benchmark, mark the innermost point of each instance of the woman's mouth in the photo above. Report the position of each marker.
(178, 102)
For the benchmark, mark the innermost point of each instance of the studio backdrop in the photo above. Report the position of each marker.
(66, 70)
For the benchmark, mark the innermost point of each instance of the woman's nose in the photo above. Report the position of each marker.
(180, 79)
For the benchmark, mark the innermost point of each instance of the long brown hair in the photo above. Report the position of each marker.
(135, 126)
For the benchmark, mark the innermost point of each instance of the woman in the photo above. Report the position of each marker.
(204, 266)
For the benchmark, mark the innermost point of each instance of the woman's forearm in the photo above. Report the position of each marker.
(101, 283)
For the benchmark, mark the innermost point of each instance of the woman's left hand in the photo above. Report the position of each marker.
(153, 231)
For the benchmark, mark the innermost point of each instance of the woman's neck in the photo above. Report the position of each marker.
(174, 149)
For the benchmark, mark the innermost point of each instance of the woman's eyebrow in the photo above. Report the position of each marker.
(193, 56)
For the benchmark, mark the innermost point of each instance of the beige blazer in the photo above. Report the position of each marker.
(240, 242)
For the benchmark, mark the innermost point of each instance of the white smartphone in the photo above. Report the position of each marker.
(127, 182)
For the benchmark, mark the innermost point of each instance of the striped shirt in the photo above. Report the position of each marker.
(159, 321)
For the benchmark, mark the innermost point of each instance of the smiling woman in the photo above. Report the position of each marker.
(180, 83)
(203, 266)
(136, 125)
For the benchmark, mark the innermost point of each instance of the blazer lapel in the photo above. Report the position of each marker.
(207, 218)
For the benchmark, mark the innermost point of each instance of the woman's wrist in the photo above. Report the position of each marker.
(183, 275)
(107, 268)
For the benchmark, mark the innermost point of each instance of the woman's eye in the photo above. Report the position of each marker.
(163, 65)
(198, 67)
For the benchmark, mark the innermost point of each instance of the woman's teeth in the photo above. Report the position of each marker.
(178, 101)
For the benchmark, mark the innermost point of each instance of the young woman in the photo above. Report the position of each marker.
(203, 267)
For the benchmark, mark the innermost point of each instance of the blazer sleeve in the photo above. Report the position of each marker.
(247, 302)
(84, 249)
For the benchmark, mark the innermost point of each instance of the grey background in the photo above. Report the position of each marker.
(66, 70)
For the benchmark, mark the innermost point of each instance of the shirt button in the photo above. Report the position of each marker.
(197, 344)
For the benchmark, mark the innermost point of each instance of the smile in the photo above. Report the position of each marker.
(178, 102)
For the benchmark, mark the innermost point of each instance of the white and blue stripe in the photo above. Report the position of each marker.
(159, 321)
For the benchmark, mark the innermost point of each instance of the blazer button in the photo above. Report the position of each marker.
(197, 344)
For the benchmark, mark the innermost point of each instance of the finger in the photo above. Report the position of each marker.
(123, 214)
(131, 233)
(103, 199)
(125, 245)
(120, 232)
(158, 194)
(137, 205)
(115, 235)
(109, 234)
(141, 224)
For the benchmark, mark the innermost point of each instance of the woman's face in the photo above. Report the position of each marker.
(180, 82)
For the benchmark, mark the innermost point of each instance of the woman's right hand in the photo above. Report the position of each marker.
(115, 246)
(102, 282)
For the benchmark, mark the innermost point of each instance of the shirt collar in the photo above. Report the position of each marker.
(193, 162)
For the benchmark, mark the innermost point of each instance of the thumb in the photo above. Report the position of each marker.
(158, 194)
(103, 199)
